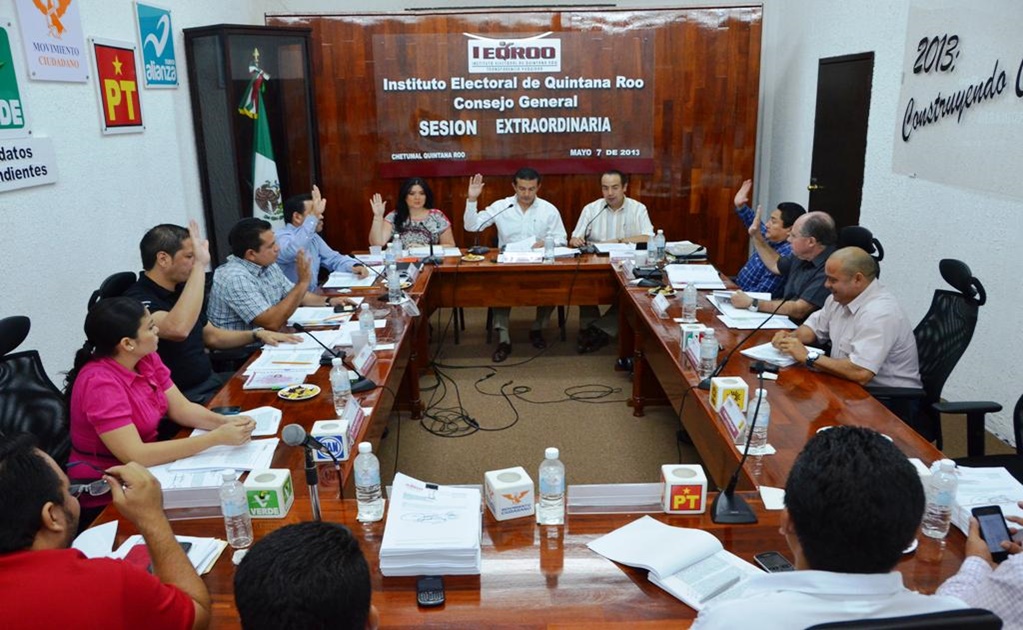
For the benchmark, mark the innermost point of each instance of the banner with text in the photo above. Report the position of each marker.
(567, 102)
(27, 162)
(960, 116)
(51, 34)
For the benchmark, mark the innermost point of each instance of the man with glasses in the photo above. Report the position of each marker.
(45, 583)
(813, 238)
(754, 276)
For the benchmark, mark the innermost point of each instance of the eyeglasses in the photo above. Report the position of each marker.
(94, 488)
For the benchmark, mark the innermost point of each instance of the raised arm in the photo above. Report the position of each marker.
(470, 222)
(177, 323)
(380, 231)
(276, 316)
(767, 253)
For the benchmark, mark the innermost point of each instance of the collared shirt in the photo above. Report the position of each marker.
(421, 232)
(805, 278)
(187, 359)
(800, 599)
(755, 276)
(873, 333)
(999, 590)
(107, 396)
(242, 290)
(632, 219)
(513, 225)
(61, 588)
(293, 239)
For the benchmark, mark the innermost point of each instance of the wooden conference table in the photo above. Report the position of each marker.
(546, 577)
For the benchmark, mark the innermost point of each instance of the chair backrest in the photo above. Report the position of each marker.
(944, 333)
(966, 618)
(31, 403)
(859, 236)
(113, 286)
(1017, 425)
(13, 331)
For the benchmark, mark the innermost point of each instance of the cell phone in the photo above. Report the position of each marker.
(430, 590)
(344, 308)
(232, 410)
(993, 529)
(773, 562)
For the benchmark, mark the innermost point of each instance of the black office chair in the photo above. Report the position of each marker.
(942, 337)
(965, 618)
(859, 236)
(29, 401)
(113, 286)
(1012, 463)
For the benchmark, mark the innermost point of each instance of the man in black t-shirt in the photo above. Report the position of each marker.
(172, 286)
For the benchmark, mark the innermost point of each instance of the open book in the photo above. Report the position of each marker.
(690, 564)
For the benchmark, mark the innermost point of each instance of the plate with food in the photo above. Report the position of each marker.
(405, 284)
(298, 392)
(472, 258)
(666, 291)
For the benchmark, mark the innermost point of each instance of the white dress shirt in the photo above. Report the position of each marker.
(515, 224)
(632, 219)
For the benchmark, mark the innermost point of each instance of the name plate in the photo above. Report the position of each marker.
(692, 352)
(364, 359)
(660, 304)
(409, 306)
(412, 273)
(733, 418)
(628, 268)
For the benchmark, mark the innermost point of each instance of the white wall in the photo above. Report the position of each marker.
(60, 241)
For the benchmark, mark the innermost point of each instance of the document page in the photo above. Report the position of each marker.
(705, 276)
(642, 542)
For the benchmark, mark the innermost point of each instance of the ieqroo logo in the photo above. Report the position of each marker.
(530, 54)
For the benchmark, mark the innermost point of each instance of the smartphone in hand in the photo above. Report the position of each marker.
(993, 530)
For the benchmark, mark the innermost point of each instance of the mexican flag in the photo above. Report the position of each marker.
(266, 186)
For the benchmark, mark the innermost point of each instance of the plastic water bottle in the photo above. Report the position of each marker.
(659, 245)
(393, 284)
(689, 303)
(396, 244)
(235, 506)
(552, 489)
(367, 484)
(651, 248)
(763, 418)
(548, 249)
(941, 496)
(367, 325)
(390, 255)
(340, 386)
(708, 353)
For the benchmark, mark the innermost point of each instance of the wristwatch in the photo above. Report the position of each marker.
(255, 334)
(754, 306)
(811, 357)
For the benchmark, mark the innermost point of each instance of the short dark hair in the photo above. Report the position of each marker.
(621, 176)
(294, 205)
(165, 237)
(27, 483)
(855, 501)
(527, 174)
(307, 575)
(790, 211)
(247, 234)
(820, 226)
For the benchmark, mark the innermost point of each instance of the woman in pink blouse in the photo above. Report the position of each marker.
(120, 390)
(415, 220)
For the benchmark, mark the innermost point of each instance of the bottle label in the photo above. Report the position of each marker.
(551, 486)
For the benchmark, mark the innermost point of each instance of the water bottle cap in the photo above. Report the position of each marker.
(336, 362)
(364, 306)
(660, 231)
(947, 465)
(760, 392)
(227, 474)
(708, 333)
(365, 447)
(551, 452)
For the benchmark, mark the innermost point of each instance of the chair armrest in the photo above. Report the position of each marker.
(902, 393)
(966, 407)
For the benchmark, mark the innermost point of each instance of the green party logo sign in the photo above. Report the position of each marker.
(12, 115)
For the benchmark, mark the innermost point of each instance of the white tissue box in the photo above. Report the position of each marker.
(685, 489)
(333, 434)
(509, 493)
(269, 492)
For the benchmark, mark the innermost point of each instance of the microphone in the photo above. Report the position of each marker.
(360, 384)
(295, 435)
(385, 297)
(478, 249)
(705, 383)
(590, 248)
(433, 259)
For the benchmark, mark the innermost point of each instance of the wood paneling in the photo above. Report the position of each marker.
(706, 80)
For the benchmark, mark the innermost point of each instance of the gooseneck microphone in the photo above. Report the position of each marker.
(705, 383)
(383, 279)
(360, 384)
(295, 435)
(588, 247)
(480, 250)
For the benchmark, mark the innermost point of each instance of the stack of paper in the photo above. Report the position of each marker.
(345, 280)
(985, 486)
(320, 315)
(769, 354)
(98, 542)
(705, 276)
(189, 489)
(745, 319)
(248, 456)
(438, 250)
(431, 530)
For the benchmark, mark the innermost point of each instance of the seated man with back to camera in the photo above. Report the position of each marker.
(519, 217)
(306, 575)
(614, 218)
(172, 286)
(46, 584)
(250, 289)
(872, 342)
(813, 238)
(303, 218)
(755, 277)
(853, 504)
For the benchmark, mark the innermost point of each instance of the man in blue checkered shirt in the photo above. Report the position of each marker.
(754, 275)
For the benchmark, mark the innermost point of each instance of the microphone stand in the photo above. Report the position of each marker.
(728, 507)
(590, 248)
(432, 259)
(705, 383)
(312, 480)
(480, 250)
(361, 383)
(295, 435)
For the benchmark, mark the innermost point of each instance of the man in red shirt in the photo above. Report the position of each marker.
(44, 583)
